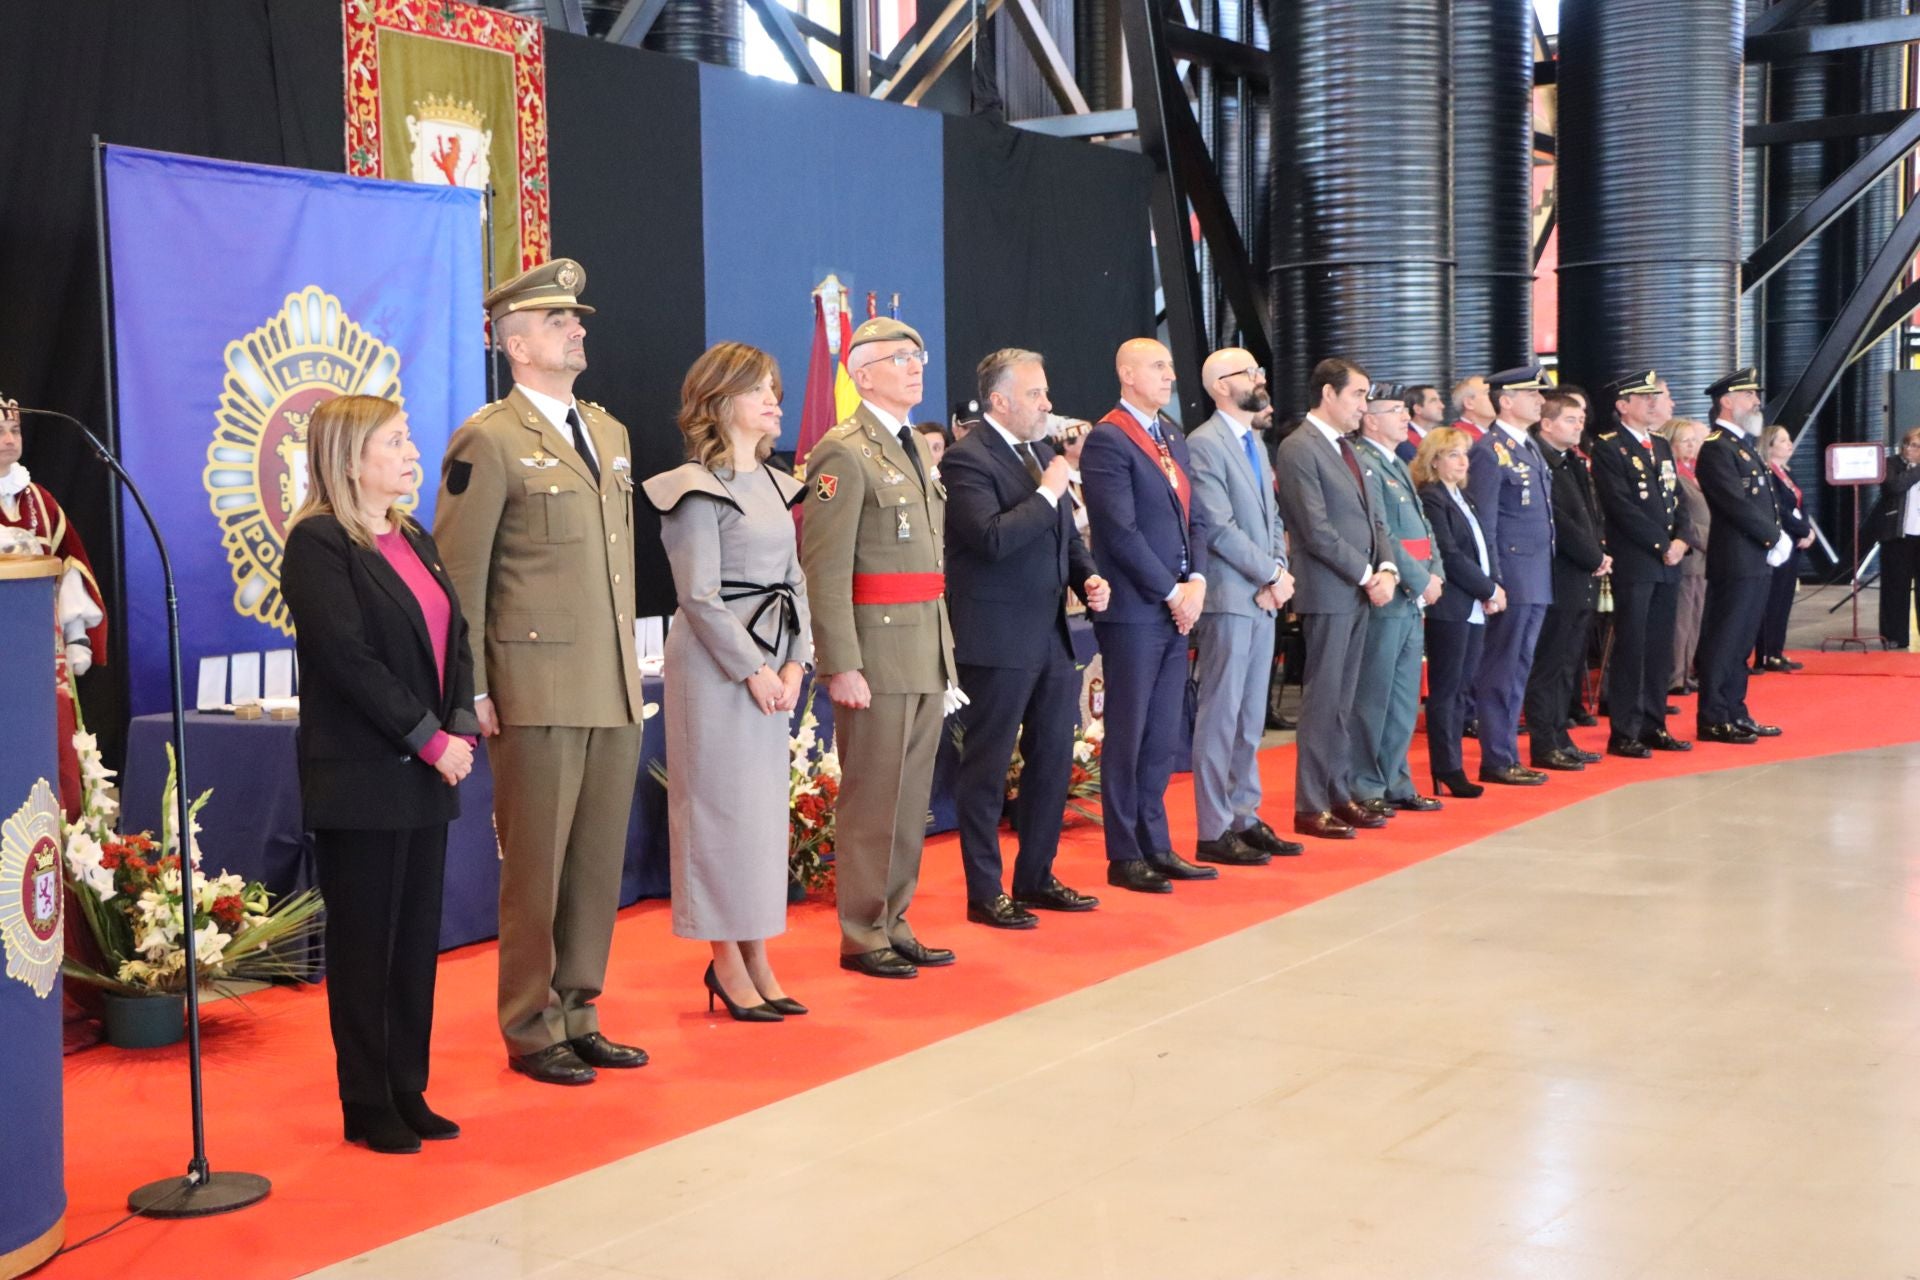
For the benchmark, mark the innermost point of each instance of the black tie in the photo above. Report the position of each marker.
(580, 444)
(913, 454)
(1025, 451)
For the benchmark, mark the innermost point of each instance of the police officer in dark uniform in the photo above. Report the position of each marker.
(1508, 482)
(1747, 542)
(1647, 535)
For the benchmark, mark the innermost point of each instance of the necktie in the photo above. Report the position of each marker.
(913, 454)
(1253, 459)
(580, 443)
(1353, 464)
(1025, 451)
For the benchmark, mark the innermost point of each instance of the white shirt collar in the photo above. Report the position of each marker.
(555, 412)
(1013, 442)
(1379, 448)
(1144, 418)
(1240, 427)
(1518, 434)
(887, 420)
(1730, 426)
(1333, 437)
(1642, 436)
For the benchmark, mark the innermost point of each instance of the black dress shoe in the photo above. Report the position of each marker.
(555, 1064)
(1584, 718)
(1584, 757)
(1471, 729)
(1135, 874)
(596, 1050)
(1661, 740)
(1792, 665)
(1287, 724)
(421, 1118)
(1174, 867)
(917, 952)
(1560, 759)
(1355, 814)
(1266, 840)
(1778, 664)
(1054, 896)
(786, 1006)
(1231, 851)
(884, 963)
(1758, 730)
(1730, 734)
(1380, 805)
(380, 1127)
(1001, 913)
(1322, 824)
(1415, 804)
(1512, 775)
(1629, 748)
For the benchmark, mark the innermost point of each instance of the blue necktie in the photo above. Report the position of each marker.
(1253, 459)
(1153, 429)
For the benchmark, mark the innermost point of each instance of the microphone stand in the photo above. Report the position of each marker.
(201, 1192)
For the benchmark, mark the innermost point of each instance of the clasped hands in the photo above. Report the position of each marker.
(1185, 604)
(775, 693)
(1275, 594)
(456, 762)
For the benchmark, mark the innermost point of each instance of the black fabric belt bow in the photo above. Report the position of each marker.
(777, 596)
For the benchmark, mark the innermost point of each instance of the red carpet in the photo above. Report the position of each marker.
(270, 1096)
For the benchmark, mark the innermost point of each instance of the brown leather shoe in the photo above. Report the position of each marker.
(1355, 814)
(1323, 825)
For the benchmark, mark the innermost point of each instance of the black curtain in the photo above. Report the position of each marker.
(1047, 248)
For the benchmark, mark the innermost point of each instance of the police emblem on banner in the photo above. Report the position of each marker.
(32, 890)
(256, 473)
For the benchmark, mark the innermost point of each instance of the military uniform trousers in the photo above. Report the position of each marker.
(1501, 685)
(1387, 702)
(1323, 755)
(1230, 714)
(1558, 659)
(1728, 629)
(1145, 665)
(886, 750)
(1036, 709)
(1642, 663)
(562, 800)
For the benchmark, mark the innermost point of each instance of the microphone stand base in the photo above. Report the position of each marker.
(182, 1197)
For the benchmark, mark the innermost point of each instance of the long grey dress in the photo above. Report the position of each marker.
(729, 535)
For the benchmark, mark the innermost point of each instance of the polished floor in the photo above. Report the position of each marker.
(1672, 1031)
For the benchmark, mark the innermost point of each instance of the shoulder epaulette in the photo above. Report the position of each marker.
(846, 428)
(1715, 435)
(1610, 435)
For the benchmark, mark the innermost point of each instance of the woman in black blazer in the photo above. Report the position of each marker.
(1456, 621)
(1770, 650)
(1899, 548)
(386, 718)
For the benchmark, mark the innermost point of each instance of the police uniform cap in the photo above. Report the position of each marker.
(1387, 391)
(1747, 379)
(551, 286)
(1530, 377)
(885, 329)
(1645, 382)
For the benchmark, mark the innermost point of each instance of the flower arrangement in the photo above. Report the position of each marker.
(130, 892)
(813, 788)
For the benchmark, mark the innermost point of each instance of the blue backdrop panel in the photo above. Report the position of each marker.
(799, 183)
(243, 296)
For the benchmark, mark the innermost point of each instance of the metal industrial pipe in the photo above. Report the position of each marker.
(1492, 184)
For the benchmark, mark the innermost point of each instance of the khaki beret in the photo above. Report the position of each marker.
(551, 286)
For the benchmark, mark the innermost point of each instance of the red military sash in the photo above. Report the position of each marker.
(1160, 455)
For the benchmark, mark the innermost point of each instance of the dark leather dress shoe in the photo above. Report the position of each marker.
(1230, 851)
(1471, 729)
(1584, 718)
(1561, 760)
(1135, 874)
(1661, 740)
(1001, 913)
(1174, 867)
(1322, 824)
(1629, 748)
(917, 952)
(1355, 814)
(1758, 730)
(1779, 664)
(596, 1050)
(555, 1064)
(1266, 840)
(1415, 804)
(1054, 896)
(884, 963)
(1380, 805)
(1585, 757)
(1729, 734)
(1513, 775)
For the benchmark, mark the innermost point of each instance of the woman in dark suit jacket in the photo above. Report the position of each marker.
(386, 695)
(1770, 651)
(1456, 622)
(1899, 548)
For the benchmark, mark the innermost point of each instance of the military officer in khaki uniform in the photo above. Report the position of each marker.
(871, 547)
(535, 522)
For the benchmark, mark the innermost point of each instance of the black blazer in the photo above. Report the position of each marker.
(1578, 544)
(1011, 555)
(1793, 520)
(1459, 557)
(1642, 516)
(1890, 508)
(369, 695)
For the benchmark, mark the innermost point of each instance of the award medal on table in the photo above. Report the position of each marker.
(32, 890)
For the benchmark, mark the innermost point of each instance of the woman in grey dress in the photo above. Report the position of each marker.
(736, 652)
(1686, 436)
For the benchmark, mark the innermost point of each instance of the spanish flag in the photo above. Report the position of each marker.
(831, 397)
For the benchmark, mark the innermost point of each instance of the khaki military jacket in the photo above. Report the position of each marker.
(543, 561)
(867, 512)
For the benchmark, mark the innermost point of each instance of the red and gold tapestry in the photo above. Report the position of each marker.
(454, 94)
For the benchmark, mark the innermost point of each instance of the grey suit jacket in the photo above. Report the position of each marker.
(1245, 535)
(1337, 538)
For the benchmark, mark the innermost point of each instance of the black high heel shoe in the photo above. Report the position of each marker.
(422, 1119)
(1456, 783)
(739, 1012)
(380, 1127)
(787, 1006)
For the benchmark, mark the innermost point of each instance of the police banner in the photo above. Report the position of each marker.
(243, 295)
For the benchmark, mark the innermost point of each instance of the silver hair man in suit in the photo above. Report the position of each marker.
(1246, 544)
(1344, 571)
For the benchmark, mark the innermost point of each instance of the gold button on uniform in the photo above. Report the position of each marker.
(613, 537)
(533, 635)
(885, 618)
(616, 579)
(553, 488)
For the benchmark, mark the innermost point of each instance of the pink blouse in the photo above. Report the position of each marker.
(432, 600)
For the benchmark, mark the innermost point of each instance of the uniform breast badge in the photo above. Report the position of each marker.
(826, 486)
(904, 533)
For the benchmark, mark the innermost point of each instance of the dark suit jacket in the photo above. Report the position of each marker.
(1334, 535)
(1889, 509)
(1793, 518)
(1739, 490)
(1642, 515)
(1459, 556)
(1011, 555)
(369, 695)
(1137, 522)
(1578, 544)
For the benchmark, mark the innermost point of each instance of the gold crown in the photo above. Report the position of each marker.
(450, 110)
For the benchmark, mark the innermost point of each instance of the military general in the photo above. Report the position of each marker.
(871, 544)
(535, 522)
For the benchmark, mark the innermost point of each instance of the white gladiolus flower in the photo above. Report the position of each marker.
(83, 858)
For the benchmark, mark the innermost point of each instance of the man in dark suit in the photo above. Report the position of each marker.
(1343, 570)
(1012, 552)
(1647, 535)
(1747, 543)
(1579, 560)
(1153, 544)
(1425, 411)
(1508, 483)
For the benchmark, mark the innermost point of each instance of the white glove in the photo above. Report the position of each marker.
(952, 700)
(1781, 550)
(79, 658)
